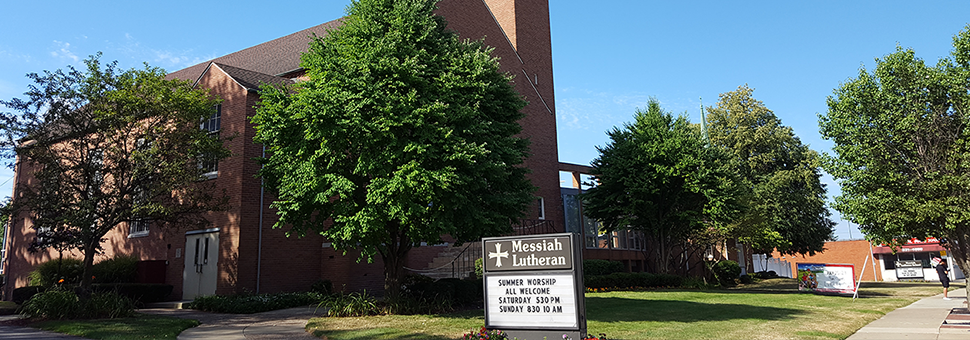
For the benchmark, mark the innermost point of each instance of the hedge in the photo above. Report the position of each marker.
(22, 294)
(601, 267)
(632, 280)
(138, 292)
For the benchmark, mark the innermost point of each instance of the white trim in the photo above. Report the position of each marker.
(537, 91)
(542, 208)
(203, 231)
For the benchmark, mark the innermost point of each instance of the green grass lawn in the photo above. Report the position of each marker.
(7, 307)
(771, 309)
(142, 326)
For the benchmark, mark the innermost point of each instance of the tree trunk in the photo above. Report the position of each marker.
(394, 256)
(393, 270)
(959, 244)
(87, 276)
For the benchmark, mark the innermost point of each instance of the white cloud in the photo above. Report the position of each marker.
(168, 59)
(63, 50)
(15, 57)
(582, 109)
(178, 59)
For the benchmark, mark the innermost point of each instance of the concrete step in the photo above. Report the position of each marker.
(442, 263)
(169, 304)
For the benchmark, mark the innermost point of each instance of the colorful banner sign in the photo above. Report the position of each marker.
(826, 277)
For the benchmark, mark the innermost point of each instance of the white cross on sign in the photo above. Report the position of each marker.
(498, 255)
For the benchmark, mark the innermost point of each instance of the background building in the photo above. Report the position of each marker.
(873, 263)
(241, 252)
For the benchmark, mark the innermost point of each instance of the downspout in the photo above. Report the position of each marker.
(259, 249)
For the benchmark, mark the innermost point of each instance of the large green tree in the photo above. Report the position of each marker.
(902, 148)
(402, 134)
(786, 205)
(108, 148)
(657, 175)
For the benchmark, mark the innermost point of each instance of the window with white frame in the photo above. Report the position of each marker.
(138, 228)
(41, 233)
(213, 124)
(541, 203)
(96, 161)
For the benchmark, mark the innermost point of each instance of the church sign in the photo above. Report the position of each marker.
(534, 286)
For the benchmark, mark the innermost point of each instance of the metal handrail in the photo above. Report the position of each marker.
(464, 264)
(534, 227)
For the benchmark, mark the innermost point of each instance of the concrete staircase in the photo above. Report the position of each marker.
(455, 262)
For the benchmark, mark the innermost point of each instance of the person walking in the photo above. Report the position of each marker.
(944, 272)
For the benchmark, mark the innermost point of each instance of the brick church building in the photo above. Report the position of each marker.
(241, 251)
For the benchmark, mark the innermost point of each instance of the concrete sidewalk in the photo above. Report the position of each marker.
(926, 319)
(16, 332)
(280, 324)
(931, 318)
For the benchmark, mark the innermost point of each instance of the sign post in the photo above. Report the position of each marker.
(534, 286)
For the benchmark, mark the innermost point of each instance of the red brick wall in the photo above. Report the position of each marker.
(839, 252)
(19, 261)
(531, 65)
(279, 263)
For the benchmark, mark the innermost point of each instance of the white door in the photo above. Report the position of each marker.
(201, 257)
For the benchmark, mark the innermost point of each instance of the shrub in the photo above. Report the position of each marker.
(766, 275)
(424, 295)
(52, 272)
(423, 288)
(324, 287)
(353, 304)
(139, 292)
(120, 269)
(406, 305)
(65, 304)
(726, 271)
(745, 279)
(22, 294)
(601, 267)
(469, 291)
(52, 304)
(253, 303)
(479, 270)
(696, 283)
(442, 288)
(416, 285)
(109, 305)
(632, 280)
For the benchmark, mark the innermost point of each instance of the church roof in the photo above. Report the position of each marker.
(251, 79)
(275, 57)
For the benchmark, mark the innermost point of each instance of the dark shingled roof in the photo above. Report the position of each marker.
(274, 57)
(251, 79)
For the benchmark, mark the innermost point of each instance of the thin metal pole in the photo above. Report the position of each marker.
(259, 244)
(859, 283)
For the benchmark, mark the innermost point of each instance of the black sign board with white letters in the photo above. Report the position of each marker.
(534, 286)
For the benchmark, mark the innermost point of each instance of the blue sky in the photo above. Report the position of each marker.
(609, 57)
